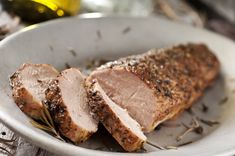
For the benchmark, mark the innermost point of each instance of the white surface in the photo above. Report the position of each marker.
(51, 42)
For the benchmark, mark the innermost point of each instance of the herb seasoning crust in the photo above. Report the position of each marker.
(178, 76)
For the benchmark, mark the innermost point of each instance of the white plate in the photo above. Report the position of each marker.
(51, 42)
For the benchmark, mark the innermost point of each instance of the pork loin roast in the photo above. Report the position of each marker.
(158, 85)
(68, 104)
(116, 120)
(29, 84)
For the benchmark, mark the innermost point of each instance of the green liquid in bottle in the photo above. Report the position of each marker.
(40, 10)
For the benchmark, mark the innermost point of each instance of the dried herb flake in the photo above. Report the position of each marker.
(98, 33)
(223, 101)
(126, 30)
(204, 108)
(209, 122)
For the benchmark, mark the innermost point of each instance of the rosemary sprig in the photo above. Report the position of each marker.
(40, 126)
(209, 122)
(186, 143)
(47, 117)
(195, 125)
(171, 147)
(155, 145)
(168, 147)
(47, 123)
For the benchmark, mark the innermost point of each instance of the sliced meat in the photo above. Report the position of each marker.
(29, 84)
(158, 85)
(68, 105)
(116, 120)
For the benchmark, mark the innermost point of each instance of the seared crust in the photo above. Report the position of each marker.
(27, 103)
(61, 117)
(178, 75)
(124, 136)
(22, 97)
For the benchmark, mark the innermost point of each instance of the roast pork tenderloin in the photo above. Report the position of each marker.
(68, 104)
(29, 83)
(115, 119)
(159, 84)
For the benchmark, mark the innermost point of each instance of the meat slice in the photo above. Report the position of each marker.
(68, 105)
(29, 84)
(158, 85)
(116, 120)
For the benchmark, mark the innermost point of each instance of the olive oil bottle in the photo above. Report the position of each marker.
(40, 10)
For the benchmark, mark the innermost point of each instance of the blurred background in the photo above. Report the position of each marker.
(216, 15)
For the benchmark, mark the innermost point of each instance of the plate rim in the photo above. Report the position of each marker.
(17, 127)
